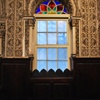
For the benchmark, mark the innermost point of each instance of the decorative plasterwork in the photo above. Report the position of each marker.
(18, 28)
(98, 18)
(2, 38)
(2, 25)
(2, 9)
(14, 28)
(10, 28)
(89, 35)
(93, 28)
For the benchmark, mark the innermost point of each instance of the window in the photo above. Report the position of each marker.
(52, 37)
(51, 7)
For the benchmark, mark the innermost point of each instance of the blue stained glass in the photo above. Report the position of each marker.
(38, 10)
(46, 2)
(65, 10)
(57, 2)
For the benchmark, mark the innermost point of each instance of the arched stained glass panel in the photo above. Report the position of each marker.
(51, 7)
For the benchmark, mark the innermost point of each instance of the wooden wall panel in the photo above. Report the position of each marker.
(15, 77)
(87, 77)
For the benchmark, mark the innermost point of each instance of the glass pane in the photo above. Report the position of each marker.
(41, 65)
(62, 38)
(52, 54)
(43, 7)
(51, 5)
(41, 53)
(57, 2)
(52, 65)
(41, 26)
(62, 54)
(62, 65)
(51, 26)
(38, 10)
(61, 26)
(51, 38)
(41, 38)
(60, 7)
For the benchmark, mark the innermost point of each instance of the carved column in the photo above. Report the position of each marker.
(0, 44)
(31, 21)
(76, 31)
(2, 37)
(2, 33)
(74, 36)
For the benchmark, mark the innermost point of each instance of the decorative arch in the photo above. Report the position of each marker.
(34, 3)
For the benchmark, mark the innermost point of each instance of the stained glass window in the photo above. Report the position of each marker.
(51, 7)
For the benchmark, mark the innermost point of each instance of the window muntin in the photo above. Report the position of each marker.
(52, 58)
(55, 30)
(52, 54)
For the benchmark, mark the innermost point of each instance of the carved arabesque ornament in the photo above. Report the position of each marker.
(87, 41)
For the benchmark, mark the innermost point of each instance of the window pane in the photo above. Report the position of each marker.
(51, 26)
(41, 53)
(52, 38)
(61, 26)
(62, 65)
(52, 54)
(62, 38)
(41, 65)
(52, 65)
(41, 39)
(62, 54)
(41, 26)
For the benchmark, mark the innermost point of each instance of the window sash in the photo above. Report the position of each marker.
(50, 45)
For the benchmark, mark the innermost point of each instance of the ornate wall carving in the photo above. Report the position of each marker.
(2, 9)
(93, 32)
(14, 28)
(12, 11)
(89, 35)
(2, 35)
(87, 9)
(26, 38)
(84, 35)
(98, 17)
(19, 28)
(10, 28)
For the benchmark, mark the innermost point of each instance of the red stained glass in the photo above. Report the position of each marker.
(59, 7)
(51, 5)
(43, 7)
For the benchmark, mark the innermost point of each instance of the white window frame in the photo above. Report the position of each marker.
(50, 17)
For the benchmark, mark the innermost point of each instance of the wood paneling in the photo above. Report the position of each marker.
(51, 85)
(15, 77)
(86, 77)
